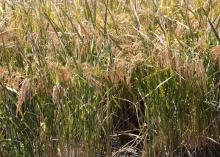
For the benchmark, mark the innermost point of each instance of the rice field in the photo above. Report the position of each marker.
(93, 78)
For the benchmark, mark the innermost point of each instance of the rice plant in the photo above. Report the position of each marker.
(109, 78)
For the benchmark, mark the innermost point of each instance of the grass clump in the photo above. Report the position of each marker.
(81, 78)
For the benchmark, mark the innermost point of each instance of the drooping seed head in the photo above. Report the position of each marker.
(24, 94)
(56, 95)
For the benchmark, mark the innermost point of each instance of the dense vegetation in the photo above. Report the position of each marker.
(82, 77)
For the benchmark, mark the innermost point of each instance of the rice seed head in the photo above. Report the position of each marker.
(215, 53)
(24, 94)
(201, 76)
(188, 69)
(56, 95)
(165, 59)
(177, 62)
(202, 43)
(2, 73)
